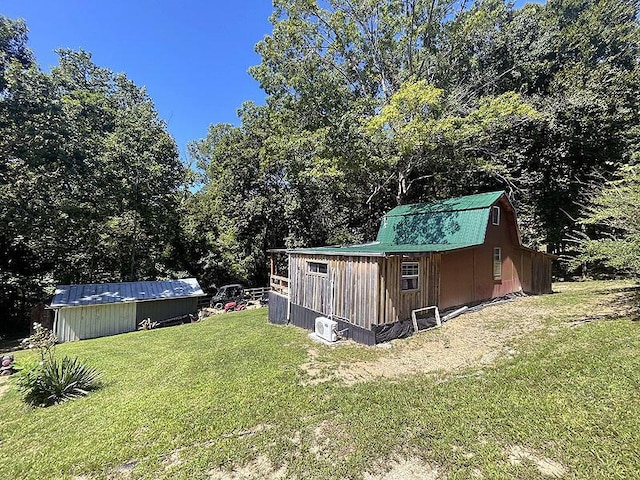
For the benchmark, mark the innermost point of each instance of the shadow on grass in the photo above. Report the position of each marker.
(625, 304)
(629, 302)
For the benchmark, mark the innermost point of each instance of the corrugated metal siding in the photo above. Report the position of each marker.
(304, 317)
(79, 323)
(278, 305)
(158, 310)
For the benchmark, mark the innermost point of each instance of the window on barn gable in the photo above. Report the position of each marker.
(495, 215)
(410, 276)
(497, 263)
(318, 268)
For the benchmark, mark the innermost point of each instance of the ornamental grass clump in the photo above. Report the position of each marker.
(52, 380)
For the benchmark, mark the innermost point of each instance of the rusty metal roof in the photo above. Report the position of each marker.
(105, 293)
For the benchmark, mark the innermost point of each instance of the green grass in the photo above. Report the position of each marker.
(197, 391)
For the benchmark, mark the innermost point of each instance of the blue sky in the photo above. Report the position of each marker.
(192, 56)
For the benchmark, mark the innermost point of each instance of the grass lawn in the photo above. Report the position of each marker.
(230, 398)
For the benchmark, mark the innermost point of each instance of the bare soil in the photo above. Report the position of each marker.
(547, 467)
(4, 384)
(260, 468)
(408, 469)
(469, 340)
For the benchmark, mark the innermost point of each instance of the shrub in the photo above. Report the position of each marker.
(54, 381)
(43, 340)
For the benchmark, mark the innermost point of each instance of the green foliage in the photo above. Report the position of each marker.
(91, 180)
(614, 213)
(372, 104)
(56, 380)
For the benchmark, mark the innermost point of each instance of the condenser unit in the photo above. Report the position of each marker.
(326, 329)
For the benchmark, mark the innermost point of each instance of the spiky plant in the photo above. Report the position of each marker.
(55, 381)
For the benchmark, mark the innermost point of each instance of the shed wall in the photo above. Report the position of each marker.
(158, 310)
(396, 305)
(348, 289)
(467, 275)
(525, 271)
(540, 273)
(79, 323)
(278, 306)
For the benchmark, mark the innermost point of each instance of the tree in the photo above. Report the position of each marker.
(90, 179)
(614, 217)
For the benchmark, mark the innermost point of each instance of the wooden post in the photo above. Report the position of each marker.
(271, 262)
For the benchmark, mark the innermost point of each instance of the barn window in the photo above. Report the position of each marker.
(410, 276)
(495, 215)
(318, 267)
(497, 263)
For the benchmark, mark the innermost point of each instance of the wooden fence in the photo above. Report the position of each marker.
(280, 284)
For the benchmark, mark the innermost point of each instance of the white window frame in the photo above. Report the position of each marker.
(497, 263)
(313, 268)
(495, 215)
(412, 276)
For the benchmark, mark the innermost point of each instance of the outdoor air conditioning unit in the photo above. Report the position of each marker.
(326, 329)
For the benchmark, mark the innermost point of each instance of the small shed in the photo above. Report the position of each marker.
(448, 253)
(99, 310)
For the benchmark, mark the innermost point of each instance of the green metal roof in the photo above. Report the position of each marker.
(468, 202)
(466, 227)
(378, 249)
(422, 228)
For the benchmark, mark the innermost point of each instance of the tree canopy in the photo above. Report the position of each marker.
(369, 104)
(372, 104)
(89, 176)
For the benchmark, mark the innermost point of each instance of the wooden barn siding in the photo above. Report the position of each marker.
(525, 271)
(158, 310)
(355, 282)
(540, 273)
(467, 275)
(394, 304)
(278, 306)
(79, 323)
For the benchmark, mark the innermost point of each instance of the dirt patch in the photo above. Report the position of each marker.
(408, 469)
(259, 468)
(470, 340)
(330, 434)
(172, 460)
(4, 385)
(314, 370)
(123, 471)
(546, 466)
(611, 307)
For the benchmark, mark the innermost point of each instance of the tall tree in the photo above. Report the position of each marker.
(90, 179)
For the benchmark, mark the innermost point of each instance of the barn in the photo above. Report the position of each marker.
(449, 253)
(98, 310)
